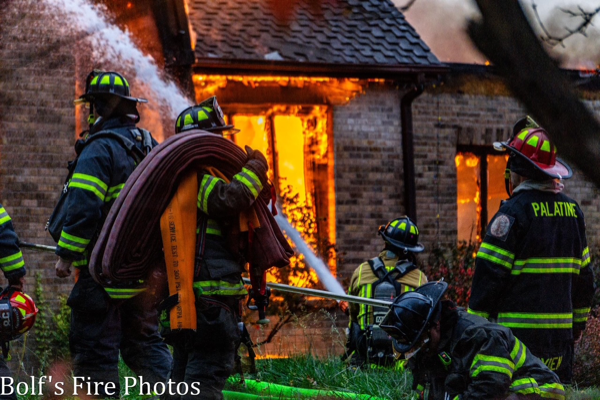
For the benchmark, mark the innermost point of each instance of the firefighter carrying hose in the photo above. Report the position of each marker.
(384, 277)
(456, 355)
(105, 321)
(206, 354)
(532, 272)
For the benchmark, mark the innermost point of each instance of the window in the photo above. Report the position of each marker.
(299, 148)
(480, 189)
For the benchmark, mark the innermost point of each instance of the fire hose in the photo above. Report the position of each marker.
(130, 246)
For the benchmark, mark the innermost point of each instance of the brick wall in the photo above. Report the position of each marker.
(368, 165)
(368, 173)
(37, 128)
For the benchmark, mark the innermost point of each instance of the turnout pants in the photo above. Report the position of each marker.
(100, 328)
(207, 356)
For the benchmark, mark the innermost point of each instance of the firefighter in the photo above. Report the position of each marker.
(532, 272)
(13, 267)
(456, 355)
(384, 277)
(207, 354)
(104, 322)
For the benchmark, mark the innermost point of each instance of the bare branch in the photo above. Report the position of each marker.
(535, 79)
(407, 6)
(553, 40)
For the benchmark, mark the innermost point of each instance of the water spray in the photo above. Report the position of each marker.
(310, 257)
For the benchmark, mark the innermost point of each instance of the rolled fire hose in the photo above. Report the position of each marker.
(130, 247)
(277, 391)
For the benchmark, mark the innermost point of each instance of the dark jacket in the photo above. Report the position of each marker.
(477, 359)
(532, 270)
(220, 258)
(101, 171)
(11, 258)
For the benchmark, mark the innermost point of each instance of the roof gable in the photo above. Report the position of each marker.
(367, 32)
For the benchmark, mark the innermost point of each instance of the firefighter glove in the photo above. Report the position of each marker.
(17, 282)
(257, 155)
(63, 268)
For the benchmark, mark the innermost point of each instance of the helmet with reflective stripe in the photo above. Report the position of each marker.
(17, 314)
(206, 116)
(531, 144)
(412, 313)
(402, 235)
(102, 84)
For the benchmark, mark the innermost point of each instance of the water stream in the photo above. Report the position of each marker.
(110, 44)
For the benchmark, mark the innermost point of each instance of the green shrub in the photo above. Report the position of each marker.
(456, 266)
(51, 328)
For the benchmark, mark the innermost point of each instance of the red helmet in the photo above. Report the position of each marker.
(17, 314)
(533, 145)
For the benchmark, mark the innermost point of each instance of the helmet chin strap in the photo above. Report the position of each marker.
(507, 182)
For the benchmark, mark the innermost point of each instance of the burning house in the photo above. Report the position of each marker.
(360, 121)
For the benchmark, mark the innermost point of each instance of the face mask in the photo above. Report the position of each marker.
(411, 354)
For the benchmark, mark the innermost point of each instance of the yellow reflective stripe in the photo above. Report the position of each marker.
(114, 192)
(557, 265)
(536, 321)
(88, 182)
(482, 314)
(485, 363)
(72, 243)
(581, 314)
(4, 217)
(533, 141)
(362, 310)
(118, 81)
(123, 293)
(206, 187)
(80, 263)
(585, 257)
(250, 180)
(496, 255)
(523, 135)
(545, 146)
(219, 288)
(552, 391)
(213, 228)
(12, 262)
(525, 386)
(518, 354)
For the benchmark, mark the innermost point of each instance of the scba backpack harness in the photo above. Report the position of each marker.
(57, 220)
(379, 343)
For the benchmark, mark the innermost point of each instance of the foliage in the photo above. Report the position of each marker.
(456, 265)
(586, 369)
(51, 328)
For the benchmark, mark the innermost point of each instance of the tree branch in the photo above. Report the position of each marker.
(553, 40)
(505, 37)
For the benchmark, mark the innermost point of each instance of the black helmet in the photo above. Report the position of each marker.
(102, 85)
(412, 313)
(402, 234)
(207, 116)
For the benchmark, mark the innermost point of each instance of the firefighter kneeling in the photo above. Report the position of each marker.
(383, 277)
(456, 355)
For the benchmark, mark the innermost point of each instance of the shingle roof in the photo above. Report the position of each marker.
(368, 32)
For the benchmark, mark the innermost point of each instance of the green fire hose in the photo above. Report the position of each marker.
(266, 390)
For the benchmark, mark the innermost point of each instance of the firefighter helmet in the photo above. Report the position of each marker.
(100, 84)
(206, 116)
(412, 313)
(402, 234)
(17, 314)
(530, 143)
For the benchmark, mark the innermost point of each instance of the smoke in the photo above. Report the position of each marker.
(110, 45)
(442, 26)
(577, 51)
